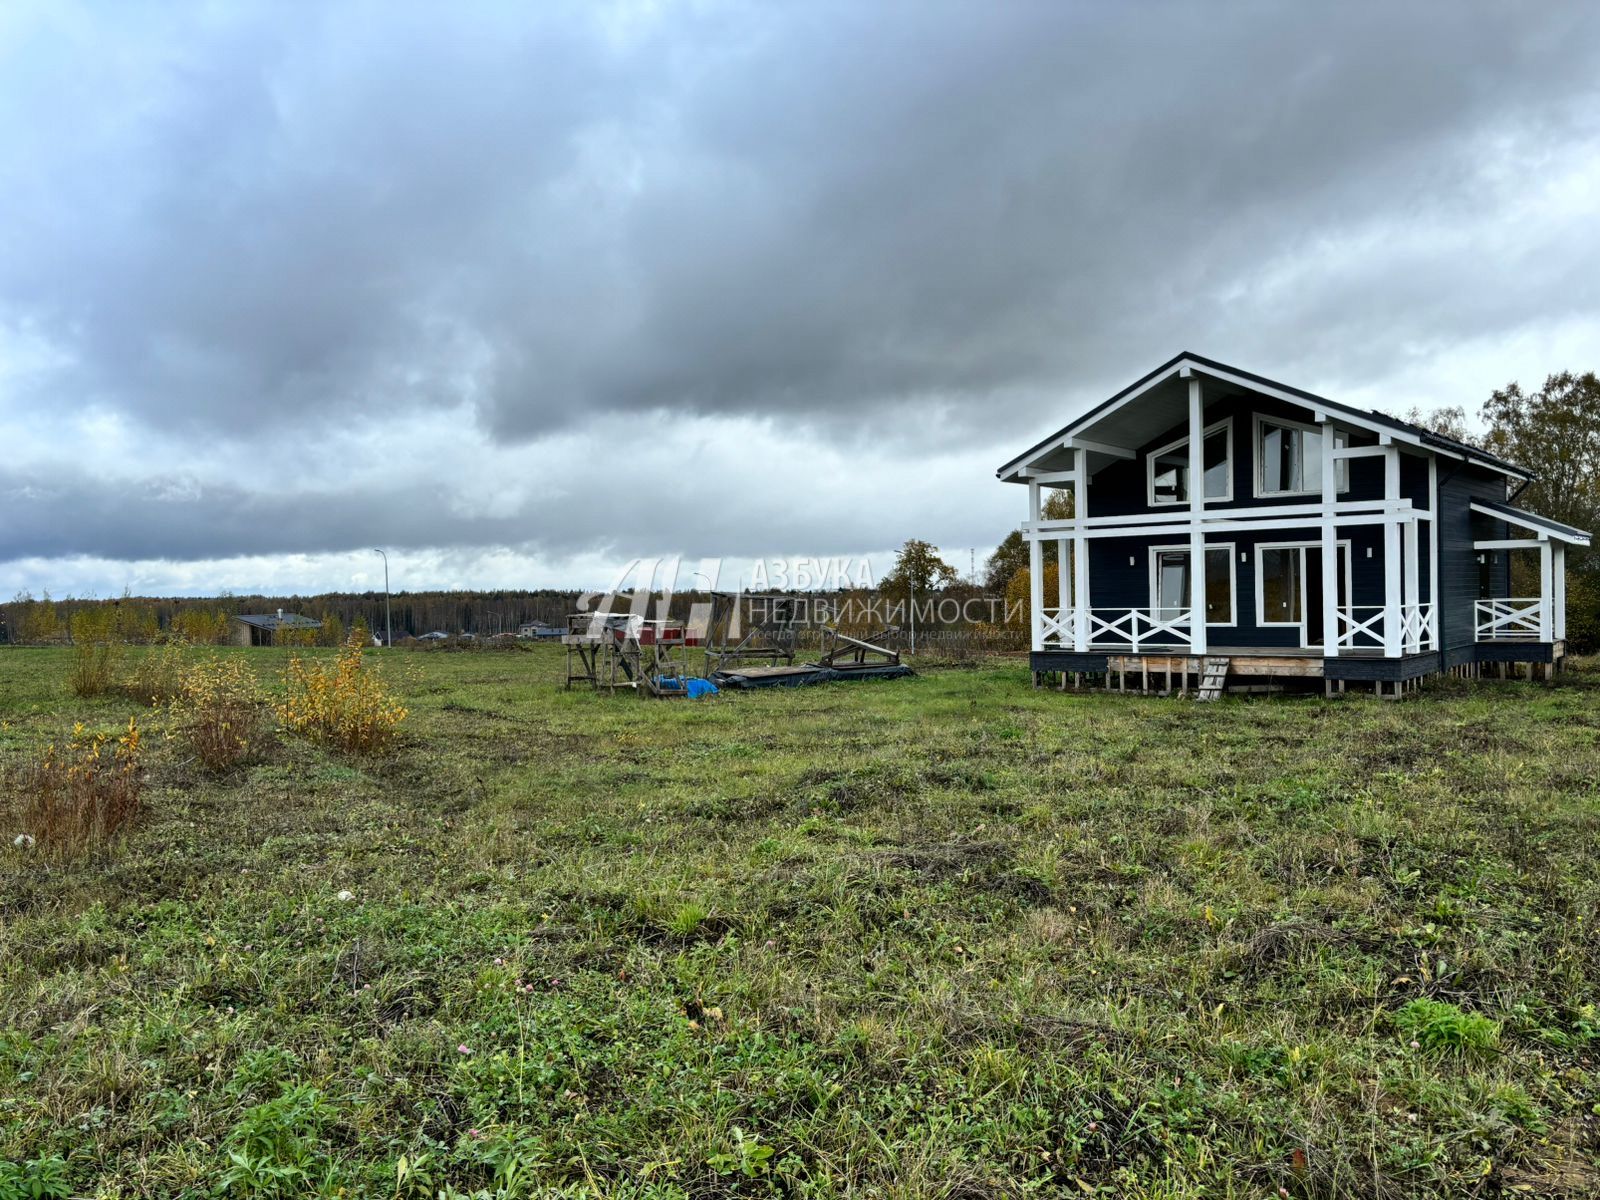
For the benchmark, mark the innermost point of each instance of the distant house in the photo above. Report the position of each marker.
(263, 630)
(539, 630)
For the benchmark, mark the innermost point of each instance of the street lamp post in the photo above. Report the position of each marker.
(388, 626)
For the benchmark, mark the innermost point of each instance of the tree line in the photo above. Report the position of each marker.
(46, 620)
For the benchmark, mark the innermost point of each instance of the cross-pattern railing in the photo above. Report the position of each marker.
(1512, 619)
(1137, 627)
(1361, 627)
(1416, 627)
(1118, 627)
(1056, 628)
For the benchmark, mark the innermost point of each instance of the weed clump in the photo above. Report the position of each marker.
(344, 705)
(80, 796)
(276, 1148)
(218, 712)
(1437, 1025)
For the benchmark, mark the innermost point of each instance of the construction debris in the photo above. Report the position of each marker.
(846, 658)
(609, 651)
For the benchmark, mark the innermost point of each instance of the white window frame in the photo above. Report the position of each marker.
(1341, 468)
(1233, 580)
(1261, 579)
(1150, 468)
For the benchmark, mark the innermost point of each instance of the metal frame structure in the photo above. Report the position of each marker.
(842, 652)
(769, 641)
(611, 651)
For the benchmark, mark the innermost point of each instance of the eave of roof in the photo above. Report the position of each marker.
(1425, 436)
(1531, 520)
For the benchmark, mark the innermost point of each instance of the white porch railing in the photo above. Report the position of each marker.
(1137, 627)
(1512, 619)
(1116, 627)
(1056, 628)
(1416, 627)
(1361, 627)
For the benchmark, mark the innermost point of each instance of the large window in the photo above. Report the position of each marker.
(1169, 583)
(1289, 459)
(1168, 467)
(1281, 580)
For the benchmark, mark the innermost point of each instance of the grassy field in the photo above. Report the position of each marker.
(947, 936)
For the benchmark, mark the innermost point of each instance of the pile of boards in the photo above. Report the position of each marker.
(802, 674)
(845, 658)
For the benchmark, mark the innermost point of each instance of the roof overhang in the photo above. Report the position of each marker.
(1116, 427)
(1544, 527)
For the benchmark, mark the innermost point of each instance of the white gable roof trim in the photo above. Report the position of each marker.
(1185, 364)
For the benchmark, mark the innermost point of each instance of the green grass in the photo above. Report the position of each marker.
(947, 936)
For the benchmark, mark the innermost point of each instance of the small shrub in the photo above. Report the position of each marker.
(95, 652)
(218, 712)
(1437, 1025)
(81, 796)
(344, 704)
(157, 674)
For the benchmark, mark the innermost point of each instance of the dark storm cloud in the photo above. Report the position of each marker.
(227, 221)
(175, 518)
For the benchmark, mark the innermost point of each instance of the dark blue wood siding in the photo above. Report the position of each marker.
(1119, 568)
(1459, 485)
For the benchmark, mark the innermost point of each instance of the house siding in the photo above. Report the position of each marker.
(1119, 567)
(1459, 573)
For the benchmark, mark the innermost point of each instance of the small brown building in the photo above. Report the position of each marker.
(263, 630)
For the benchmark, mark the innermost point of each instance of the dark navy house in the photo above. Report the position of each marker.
(1336, 543)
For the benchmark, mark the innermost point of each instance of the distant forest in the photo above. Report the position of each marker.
(206, 619)
(941, 603)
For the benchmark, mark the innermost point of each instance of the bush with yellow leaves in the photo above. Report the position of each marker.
(218, 711)
(155, 676)
(81, 795)
(343, 704)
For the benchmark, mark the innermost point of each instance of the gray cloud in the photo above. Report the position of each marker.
(879, 224)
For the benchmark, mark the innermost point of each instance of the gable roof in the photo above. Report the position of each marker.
(1527, 520)
(1371, 419)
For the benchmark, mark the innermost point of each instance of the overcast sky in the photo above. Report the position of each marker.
(522, 291)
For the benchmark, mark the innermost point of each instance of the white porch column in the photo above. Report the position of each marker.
(1197, 533)
(1330, 546)
(1413, 582)
(1547, 592)
(1080, 551)
(1391, 553)
(1063, 585)
(1035, 569)
(1558, 597)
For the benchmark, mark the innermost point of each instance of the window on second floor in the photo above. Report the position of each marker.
(1168, 467)
(1289, 459)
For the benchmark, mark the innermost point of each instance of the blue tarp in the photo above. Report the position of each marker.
(695, 689)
